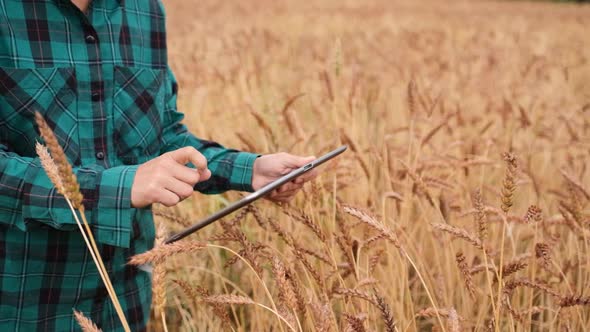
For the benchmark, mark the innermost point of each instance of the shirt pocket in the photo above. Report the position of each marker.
(49, 91)
(138, 103)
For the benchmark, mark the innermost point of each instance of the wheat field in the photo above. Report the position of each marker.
(463, 203)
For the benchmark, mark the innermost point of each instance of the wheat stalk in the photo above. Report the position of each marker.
(307, 221)
(385, 311)
(432, 313)
(274, 309)
(523, 282)
(160, 253)
(366, 282)
(59, 170)
(321, 317)
(460, 233)
(198, 292)
(228, 299)
(508, 188)
(412, 92)
(372, 222)
(159, 280)
(171, 216)
(237, 299)
(575, 183)
(462, 264)
(286, 292)
(367, 219)
(349, 292)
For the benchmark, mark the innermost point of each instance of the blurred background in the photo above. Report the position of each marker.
(429, 95)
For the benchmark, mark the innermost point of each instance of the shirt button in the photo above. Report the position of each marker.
(90, 39)
(95, 96)
(100, 155)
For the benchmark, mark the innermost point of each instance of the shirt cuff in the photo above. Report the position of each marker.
(107, 198)
(114, 216)
(242, 171)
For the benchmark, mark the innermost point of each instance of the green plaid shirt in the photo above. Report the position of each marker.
(103, 83)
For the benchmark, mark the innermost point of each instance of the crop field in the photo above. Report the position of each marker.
(463, 203)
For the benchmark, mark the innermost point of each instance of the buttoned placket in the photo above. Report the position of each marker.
(96, 121)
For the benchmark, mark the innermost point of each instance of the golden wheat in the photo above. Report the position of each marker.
(425, 128)
(85, 323)
(60, 172)
(159, 253)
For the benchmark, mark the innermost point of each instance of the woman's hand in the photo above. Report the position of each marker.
(167, 180)
(270, 167)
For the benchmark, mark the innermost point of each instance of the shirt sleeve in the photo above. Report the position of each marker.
(29, 200)
(230, 169)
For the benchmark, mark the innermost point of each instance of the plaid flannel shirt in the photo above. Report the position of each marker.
(103, 84)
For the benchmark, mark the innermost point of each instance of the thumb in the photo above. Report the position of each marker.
(297, 161)
(189, 154)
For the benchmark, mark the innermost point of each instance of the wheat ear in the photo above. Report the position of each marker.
(354, 323)
(196, 292)
(85, 323)
(386, 314)
(462, 264)
(59, 170)
(508, 188)
(159, 280)
(480, 215)
(286, 291)
(237, 299)
(160, 253)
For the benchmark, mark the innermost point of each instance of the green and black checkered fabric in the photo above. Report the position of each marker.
(103, 84)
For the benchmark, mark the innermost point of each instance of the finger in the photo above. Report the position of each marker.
(181, 189)
(276, 198)
(185, 174)
(285, 187)
(288, 187)
(294, 161)
(274, 195)
(189, 154)
(281, 197)
(291, 187)
(294, 187)
(287, 194)
(309, 176)
(168, 198)
(204, 174)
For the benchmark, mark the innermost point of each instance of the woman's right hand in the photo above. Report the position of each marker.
(167, 180)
